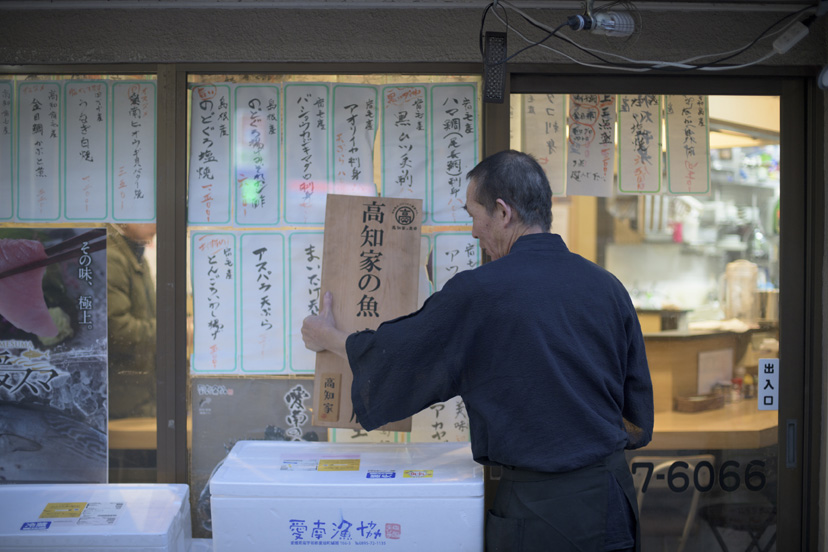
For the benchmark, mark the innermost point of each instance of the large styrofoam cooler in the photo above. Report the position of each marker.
(84, 517)
(271, 495)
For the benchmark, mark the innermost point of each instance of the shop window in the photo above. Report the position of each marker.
(77, 328)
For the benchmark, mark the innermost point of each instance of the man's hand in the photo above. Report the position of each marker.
(319, 332)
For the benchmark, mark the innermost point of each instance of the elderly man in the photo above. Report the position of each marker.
(545, 349)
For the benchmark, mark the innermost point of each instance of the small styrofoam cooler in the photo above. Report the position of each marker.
(84, 517)
(271, 495)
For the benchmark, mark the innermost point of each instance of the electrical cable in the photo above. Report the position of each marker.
(682, 65)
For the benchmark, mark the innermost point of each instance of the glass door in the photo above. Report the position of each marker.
(679, 196)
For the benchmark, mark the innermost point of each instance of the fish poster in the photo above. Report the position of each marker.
(53, 355)
(226, 410)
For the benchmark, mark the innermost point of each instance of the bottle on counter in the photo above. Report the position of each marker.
(735, 390)
(748, 387)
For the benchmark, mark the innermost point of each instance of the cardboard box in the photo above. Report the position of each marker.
(84, 517)
(412, 497)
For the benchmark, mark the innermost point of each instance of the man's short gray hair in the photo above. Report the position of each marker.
(518, 180)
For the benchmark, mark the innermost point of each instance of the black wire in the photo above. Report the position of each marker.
(541, 41)
(492, 5)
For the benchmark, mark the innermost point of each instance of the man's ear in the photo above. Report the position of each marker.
(503, 212)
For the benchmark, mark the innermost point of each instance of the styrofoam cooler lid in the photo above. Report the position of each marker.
(86, 515)
(305, 470)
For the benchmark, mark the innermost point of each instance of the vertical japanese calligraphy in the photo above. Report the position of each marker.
(257, 154)
(544, 135)
(306, 152)
(133, 151)
(454, 149)
(305, 253)
(453, 252)
(591, 149)
(6, 169)
(688, 148)
(214, 302)
(86, 180)
(38, 151)
(639, 143)
(354, 129)
(404, 143)
(262, 302)
(210, 162)
(441, 423)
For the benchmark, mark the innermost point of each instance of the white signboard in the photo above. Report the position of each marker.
(38, 147)
(639, 143)
(404, 143)
(768, 391)
(133, 151)
(544, 136)
(354, 130)
(591, 149)
(305, 256)
(210, 179)
(688, 148)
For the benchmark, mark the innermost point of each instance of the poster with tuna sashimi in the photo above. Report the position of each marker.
(53, 355)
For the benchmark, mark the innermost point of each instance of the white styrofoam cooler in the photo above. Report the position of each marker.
(271, 495)
(84, 517)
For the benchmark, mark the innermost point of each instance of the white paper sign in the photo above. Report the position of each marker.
(262, 302)
(214, 302)
(6, 168)
(256, 174)
(87, 172)
(404, 144)
(591, 149)
(639, 143)
(306, 153)
(133, 151)
(210, 177)
(453, 252)
(544, 136)
(768, 391)
(305, 254)
(446, 422)
(354, 130)
(453, 149)
(688, 147)
(38, 147)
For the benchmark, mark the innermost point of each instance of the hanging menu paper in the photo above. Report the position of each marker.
(133, 151)
(38, 151)
(354, 112)
(6, 194)
(210, 158)
(305, 254)
(214, 302)
(453, 252)
(639, 143)
(454, 149)
(688, 158)
(306, 152)
(591, 149)
(257, 155)
(404, 143)
(544, 136)
(86, 169)
(262, 302)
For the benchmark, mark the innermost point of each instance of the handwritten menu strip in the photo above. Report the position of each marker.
(6, 168)
(544, 135)
(38, 151)
(688, 149)
(591, 149)
(257, 155)
(214, 302)
(86, 141)
(372, 257)
(405, 143)
(210, 180)
(305, 273)
(354, 112)
(453, 252)
(306, 152)
(133, 151)
(262, 302)
(639, 143)
(454, 149)
(446, 422)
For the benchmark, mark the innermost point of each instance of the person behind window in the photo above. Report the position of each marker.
(131, 322)
(546, 351)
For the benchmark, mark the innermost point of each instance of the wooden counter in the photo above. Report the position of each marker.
(736, 426)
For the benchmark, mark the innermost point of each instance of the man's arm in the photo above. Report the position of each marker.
(319, 332)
